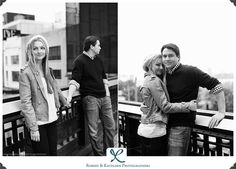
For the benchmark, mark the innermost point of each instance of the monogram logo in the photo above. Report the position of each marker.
(116, 154)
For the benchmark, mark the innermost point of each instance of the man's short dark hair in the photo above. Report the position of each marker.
(89, 40)
(173, 47)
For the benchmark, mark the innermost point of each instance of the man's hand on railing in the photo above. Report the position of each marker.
(216, 119)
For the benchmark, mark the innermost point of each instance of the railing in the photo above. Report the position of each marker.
(72, 133)
(204, 141)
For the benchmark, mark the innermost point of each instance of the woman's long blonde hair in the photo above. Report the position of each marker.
(149, 61)
(147, 65)
(32, 61)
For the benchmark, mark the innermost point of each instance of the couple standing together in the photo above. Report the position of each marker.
(169, 92)
(41, 97)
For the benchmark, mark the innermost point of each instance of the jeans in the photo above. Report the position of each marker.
(178, 140)
(47, 144)
(153, 146)
(99, 111)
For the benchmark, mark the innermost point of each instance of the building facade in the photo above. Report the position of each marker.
(14, 50)
(83, 19)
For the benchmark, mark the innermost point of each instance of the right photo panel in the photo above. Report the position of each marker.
(175, 89)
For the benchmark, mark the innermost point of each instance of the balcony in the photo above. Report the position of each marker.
(204, 141)
(72, 131)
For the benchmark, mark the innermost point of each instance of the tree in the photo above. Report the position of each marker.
(130, 90)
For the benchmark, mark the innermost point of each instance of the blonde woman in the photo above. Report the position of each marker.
(155, 108)
(40, 99)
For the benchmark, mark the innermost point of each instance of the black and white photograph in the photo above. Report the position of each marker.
(117, 84)
(61, 79)
(175, 94)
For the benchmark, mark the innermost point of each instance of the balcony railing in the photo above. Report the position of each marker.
(204, 141)
(72, 133)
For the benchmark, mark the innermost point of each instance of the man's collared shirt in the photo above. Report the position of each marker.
(173, 69)
(86, 53)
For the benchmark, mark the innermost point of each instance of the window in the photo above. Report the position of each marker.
(57, 74)
(15, 59)
(6, 61)
(55, 53)
(15, 76)
(6, 75)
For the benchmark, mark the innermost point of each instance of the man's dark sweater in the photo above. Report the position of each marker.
(89, 74)
(182, 86)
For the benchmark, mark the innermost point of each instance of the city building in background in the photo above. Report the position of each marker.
(83, 19)
(14, 47)
(65, 37)
(10, 17)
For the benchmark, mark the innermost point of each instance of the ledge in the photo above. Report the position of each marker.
(12, 105)
(202, 119)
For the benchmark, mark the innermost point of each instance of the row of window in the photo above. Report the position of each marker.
(15, 75)
(14, 60)
(54, 54)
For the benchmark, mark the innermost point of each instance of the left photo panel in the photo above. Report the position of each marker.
(59, 79)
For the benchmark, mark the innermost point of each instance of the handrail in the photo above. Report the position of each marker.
(202, 117)
(11, 105)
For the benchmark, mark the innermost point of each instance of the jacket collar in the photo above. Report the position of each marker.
(38, 79)
(149, 74)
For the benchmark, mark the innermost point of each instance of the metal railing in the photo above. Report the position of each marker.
(72, 133)
(204, 141)
(70, 127)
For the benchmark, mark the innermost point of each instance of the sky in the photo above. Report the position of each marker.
(203, 31)
(43, 10)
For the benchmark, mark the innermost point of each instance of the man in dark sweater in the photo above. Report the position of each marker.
(89, 77)
(183, 82)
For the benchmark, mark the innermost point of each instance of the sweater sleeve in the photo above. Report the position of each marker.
(77, 70)
(204, 80)
(160, 98)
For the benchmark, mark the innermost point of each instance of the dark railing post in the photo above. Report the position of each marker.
(231, 147)
(219, 146)
(193, 143)
(133, 141)
(14, 134)
(81, 122)
(3, 140)
(122, 129)
(206, 144)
